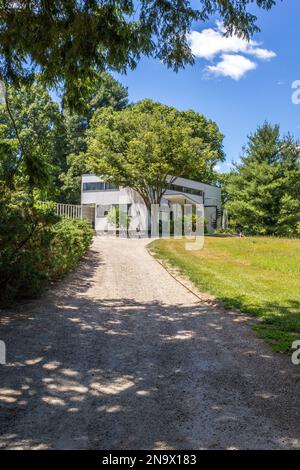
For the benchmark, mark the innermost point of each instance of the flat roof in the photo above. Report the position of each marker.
(182, 179)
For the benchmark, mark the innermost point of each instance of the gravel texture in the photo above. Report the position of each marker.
(122, 356)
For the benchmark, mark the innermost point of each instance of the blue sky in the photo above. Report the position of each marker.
(240, 103)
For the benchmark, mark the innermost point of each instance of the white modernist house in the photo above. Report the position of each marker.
(98, 197)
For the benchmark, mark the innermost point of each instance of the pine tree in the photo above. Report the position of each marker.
(263, 191)
(289, 213)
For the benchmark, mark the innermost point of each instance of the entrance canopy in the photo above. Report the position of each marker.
(179, 198)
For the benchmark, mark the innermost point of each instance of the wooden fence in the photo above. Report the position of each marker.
(70, 211)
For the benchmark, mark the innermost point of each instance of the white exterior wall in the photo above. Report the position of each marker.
(107, 197)
(212, 194)
(212, 201)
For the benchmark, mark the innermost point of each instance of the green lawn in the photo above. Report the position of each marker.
(258, 276)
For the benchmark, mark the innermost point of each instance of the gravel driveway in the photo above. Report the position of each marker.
(120, 355)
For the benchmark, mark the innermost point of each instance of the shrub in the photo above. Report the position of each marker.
(188, 224)
(35, 245)
(71, 239)
(118, 218)
(24, 237)
(226, 231)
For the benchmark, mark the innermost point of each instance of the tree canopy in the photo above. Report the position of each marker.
(145, 144)
(103, 92)
(106, 91)
(33, 140)
(40, 142)
(264, 190)
(71, 40)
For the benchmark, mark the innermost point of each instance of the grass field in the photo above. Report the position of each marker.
(258, 276)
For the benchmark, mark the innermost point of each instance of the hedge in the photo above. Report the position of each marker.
(36, 247)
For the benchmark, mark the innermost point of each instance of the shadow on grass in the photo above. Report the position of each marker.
(278, 323)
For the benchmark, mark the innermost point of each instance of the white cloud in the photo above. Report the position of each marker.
(263, 54)
(211, 43)
(232, 65)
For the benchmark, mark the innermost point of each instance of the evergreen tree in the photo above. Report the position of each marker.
(289, 213)
(263, 191)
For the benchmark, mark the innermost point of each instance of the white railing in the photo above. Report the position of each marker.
(70, 211)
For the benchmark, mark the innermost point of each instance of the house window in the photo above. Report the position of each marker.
(103, 210)
(109, 186)
(99, 186)
(182, 189)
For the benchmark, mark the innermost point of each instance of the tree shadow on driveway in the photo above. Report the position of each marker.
(88, 373)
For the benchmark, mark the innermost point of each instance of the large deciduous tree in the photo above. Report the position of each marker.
(70, 40)
(264, 190)
(145, 144)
